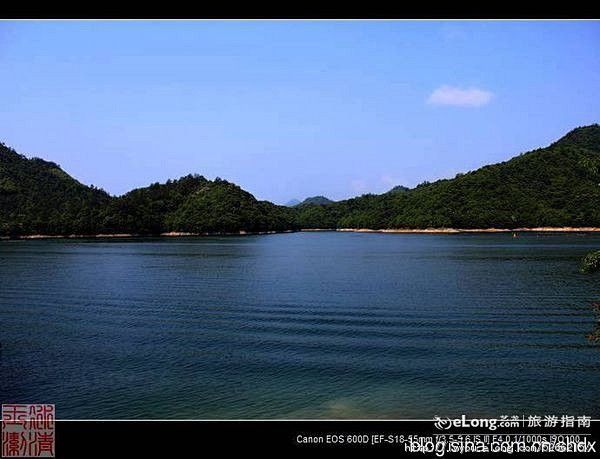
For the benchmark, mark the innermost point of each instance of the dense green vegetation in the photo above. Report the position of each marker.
(398, 189)
(220, 206)
(554, 186)
(196, 205)
(591, 262)
(321, 200)
(36, 196)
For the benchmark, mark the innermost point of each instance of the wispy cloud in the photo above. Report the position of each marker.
(452, 95)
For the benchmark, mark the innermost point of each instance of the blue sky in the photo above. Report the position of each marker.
(289, 109)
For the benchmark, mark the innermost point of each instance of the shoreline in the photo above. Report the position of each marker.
(541, 229)
(170, 234)
(174, 234)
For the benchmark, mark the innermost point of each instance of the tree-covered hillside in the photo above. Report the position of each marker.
(37, 196)
(554, 186)
(196, 205)
(321, 200)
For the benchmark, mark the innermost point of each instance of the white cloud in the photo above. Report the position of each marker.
(451, 95)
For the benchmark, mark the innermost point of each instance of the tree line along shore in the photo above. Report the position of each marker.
(555, 188)
(343, 230)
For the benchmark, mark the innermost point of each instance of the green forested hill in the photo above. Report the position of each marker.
(144, 210)
(398, 189)
(322, 200)
(554, 186)
(37, 196)
(221, 206)
(196, 205)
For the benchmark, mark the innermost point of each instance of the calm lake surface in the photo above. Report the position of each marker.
(302, 325)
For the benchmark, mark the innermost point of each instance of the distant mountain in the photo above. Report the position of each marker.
(316, 200)
(554, 186)
(292, 203)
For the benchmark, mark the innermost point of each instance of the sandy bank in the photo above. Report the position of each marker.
(238, 233)
(547, 229)
(128, 235)
(71, 236)
(318, 229)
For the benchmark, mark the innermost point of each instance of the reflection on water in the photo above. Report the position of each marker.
(304, 325)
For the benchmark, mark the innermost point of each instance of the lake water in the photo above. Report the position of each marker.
(302, 325)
